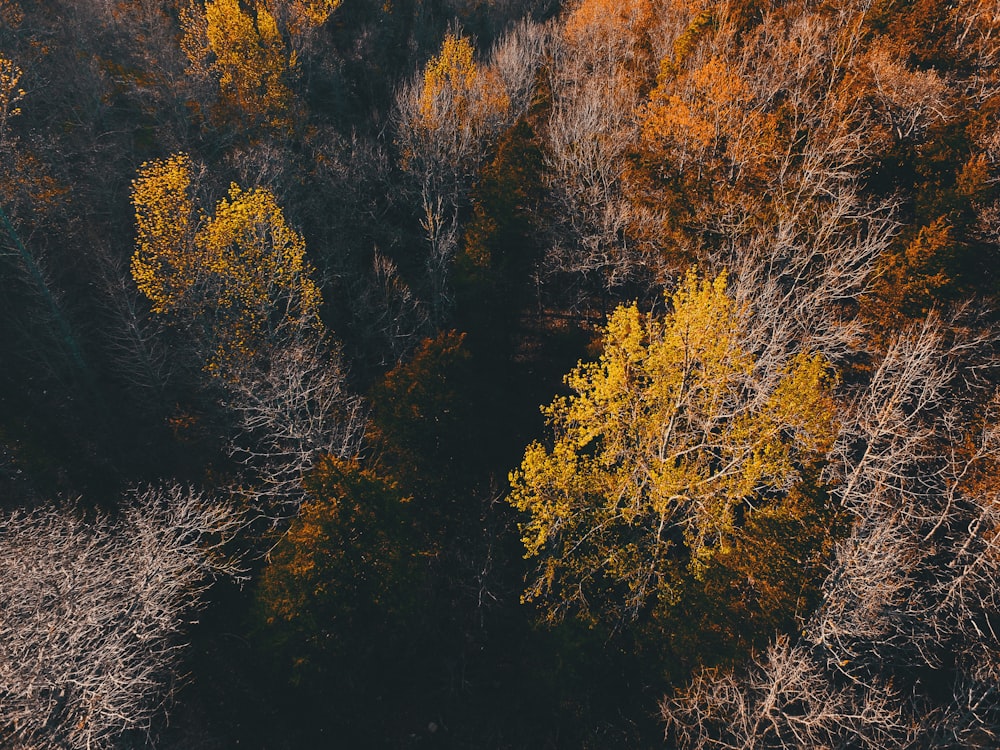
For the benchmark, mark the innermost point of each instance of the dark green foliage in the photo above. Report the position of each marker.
(338, 604)
(421, 416)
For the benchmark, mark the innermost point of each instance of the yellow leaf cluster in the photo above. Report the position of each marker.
(456, 91)
(665, 441)
(163, 268)
(261, 261)
(242, 271)
(10, 93)
(245, 52)
(452, 69)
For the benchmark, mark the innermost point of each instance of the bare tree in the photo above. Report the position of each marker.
(903, 650)
(516, 58)
(588, 135)
(589, 132)
(92, 615)
(387, 311)
(785, 700)
(801, 275)
(448, 118)
(293, 408)
(134, 338)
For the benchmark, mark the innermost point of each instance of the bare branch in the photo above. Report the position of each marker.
(93, 614)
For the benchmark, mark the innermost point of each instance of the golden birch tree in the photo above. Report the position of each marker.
(239, 276)
(242, 49)
(674, 437)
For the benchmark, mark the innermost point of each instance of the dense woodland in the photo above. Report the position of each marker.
(499, 374)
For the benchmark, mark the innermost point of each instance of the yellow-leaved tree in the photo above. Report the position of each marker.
(10, 94)
(238, 277)
(241, 48)
(670, 452)
(457, 92)
(447, 118)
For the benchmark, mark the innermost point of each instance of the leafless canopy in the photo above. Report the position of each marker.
(294, 408)
(92, 614)
(903, 651)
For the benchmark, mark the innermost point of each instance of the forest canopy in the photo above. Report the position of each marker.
(500, 374)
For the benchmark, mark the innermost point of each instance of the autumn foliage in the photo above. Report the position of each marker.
(253, 62)
(663, 456)
(241, 273)
(342, 564)
(321, 262)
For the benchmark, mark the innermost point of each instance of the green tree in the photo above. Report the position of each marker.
(420, 409)
(339, 606)
(26, 190)
(501, 239)
(673, 450)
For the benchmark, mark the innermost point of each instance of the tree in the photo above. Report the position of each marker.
(783, 700)
(752, 134)
(24, 184)
(239, 278)
(94, 612)
(454, 103)
(449, 85)
(902, 650)
(294, 411)
(338, 568)
(419, 408)
(500, 242)
(688, 123)
(239, 281)
(10, 96)
(588, 137)
(303, 17)
(339, 605)
(244, 52)
(447, 119)
(667, 448)
(163, 266)
(594, 79)
(606, 36)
